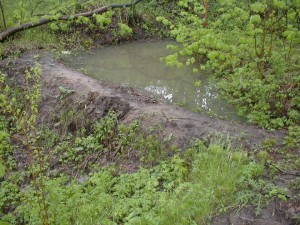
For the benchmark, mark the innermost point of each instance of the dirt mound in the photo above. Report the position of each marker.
(98, 106)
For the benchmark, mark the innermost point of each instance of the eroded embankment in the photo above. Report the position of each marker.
(95, 98)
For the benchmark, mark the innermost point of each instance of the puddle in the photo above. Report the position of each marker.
(138, 65)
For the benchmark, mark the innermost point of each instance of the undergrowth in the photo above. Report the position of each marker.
(184, 189)
(53, 176)
(47, 178)
(251, 50)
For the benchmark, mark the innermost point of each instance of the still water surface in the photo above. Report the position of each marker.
(138, 65)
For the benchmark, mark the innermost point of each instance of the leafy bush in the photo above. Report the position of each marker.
(251, 50)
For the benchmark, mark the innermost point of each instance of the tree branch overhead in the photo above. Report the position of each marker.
(4, 35)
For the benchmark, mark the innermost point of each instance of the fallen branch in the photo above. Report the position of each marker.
(9, 32)
(282, 171)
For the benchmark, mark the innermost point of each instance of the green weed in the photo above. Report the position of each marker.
(181, 190)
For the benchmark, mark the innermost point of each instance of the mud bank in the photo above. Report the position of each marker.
(130, 105)
(96, 98)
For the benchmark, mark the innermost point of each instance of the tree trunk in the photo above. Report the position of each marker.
(2, 12)
(205, 23)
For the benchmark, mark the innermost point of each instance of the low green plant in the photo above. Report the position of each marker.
(104, 20)
(292, 139)
(22, 115)
(6, 152)
(2, 168)
(175, 187)
(107, 136)
(182, 190)
(124, 30)
(280, 193)
(263, 156)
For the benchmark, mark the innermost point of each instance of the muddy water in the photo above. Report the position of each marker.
(138, 65)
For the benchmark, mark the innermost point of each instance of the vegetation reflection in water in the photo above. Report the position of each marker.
(138, 65)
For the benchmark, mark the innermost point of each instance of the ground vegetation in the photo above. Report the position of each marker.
(67, 166)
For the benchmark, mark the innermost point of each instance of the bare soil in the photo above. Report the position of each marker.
(98, 98)
(95, 99)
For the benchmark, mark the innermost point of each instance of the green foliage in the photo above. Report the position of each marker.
(6, 159)
(292, 139)
(21, 11)
(79, 32)
(7, 108)
(180, 190)
(83, 147)
(263, 156)
(10, 197)
(2, 169)
(124, 30)
(269, 143)
(108, 137)
(173, 187)
(252, 52)
(22, 115)
(104, 20)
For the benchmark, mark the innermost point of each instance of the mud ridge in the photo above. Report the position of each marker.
(97, 98)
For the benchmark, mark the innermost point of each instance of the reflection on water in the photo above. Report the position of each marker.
(138, 65)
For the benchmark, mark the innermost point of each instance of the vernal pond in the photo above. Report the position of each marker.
(139, 65)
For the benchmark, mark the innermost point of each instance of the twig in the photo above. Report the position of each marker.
(177, 118)
(118, 150)
(165, 115)
(282, 171)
